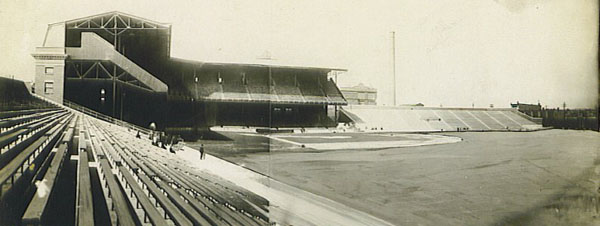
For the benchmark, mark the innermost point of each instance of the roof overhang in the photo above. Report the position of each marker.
(237, 64)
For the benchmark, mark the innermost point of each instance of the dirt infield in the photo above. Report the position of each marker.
(350, 141)
(488, 178)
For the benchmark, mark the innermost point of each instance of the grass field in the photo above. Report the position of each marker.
(486, 179)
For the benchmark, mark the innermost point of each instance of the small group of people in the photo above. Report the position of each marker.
(169, 142)
(173, 143)
(161, 139)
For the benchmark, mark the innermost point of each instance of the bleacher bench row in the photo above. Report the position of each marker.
(59, 167)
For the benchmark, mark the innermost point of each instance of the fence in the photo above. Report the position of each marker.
(580, 119)
(95, 114)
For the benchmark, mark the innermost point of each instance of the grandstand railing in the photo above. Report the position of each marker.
(73, 106)
(533, 119)
(104, 117)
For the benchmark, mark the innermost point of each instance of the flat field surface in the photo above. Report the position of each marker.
(486, 179)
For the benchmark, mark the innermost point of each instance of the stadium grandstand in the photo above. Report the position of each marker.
(61, 167)
(427, 119)
(77, 149)
(15, 97)
(120, 65)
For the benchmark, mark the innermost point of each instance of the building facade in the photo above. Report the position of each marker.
(49, 73)
(533, 110)
(360, 95)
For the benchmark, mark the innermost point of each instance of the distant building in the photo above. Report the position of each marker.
(360, 95)
(526, 107)
(533, 110)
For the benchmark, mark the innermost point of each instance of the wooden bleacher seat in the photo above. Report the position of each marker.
(119, 203)
(204, 202)
(138, 182)
(33, 214)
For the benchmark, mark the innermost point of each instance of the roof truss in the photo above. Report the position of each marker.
(100, 70)
(114, 23)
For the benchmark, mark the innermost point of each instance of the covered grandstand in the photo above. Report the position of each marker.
(120, 65)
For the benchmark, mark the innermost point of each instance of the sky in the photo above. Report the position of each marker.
(451, 53)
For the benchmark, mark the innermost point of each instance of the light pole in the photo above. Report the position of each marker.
(195, 114)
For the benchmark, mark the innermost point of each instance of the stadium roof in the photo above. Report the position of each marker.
(124, 21)
(123, 18)
(255, 65)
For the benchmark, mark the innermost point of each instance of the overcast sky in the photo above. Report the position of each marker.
(448, 52)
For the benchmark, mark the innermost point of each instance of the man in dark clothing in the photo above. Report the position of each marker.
(201, 149)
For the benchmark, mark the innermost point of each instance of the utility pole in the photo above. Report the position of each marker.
(394, 64)
(195, 114)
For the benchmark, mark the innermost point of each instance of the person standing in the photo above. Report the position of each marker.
(152, 129)
(201, 149)
(171, 149)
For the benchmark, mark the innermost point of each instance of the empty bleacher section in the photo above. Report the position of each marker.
(311, 88)
(422, 119)
(333, 92)
(31, 150)
(286, 89)
(252, 84)
(490, 121)
(119, 179)
(14, 96)
(61, 167)
(185, 197)
(243, 95)
(259, 85)
(234, 85)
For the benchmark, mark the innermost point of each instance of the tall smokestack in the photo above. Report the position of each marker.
(394, 65)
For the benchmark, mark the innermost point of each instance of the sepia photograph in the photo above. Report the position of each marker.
(263, 112)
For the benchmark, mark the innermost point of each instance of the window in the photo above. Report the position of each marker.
(371, 96)
(49, 70)
(362, 96)
(48, 87)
